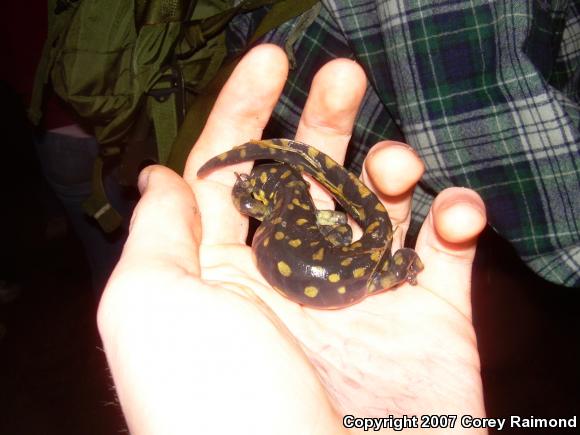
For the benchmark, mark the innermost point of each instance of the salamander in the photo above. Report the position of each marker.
(307, 254)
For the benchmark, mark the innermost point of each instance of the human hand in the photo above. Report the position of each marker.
(197, 341)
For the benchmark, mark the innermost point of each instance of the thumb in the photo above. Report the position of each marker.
(447, 243)
(165, 229)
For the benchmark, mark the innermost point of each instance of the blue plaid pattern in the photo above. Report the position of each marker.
(487, 92)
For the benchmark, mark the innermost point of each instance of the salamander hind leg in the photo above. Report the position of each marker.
(332, 225)
(404, 266)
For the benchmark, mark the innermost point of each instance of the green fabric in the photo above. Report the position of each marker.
(155, 12)
(56, 26)
(106, 66)
(104, 56)
(201, 107)
(116, 61)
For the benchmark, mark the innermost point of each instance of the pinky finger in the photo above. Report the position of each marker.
(447, 243)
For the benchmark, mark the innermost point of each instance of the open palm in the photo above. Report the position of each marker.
(197, 338)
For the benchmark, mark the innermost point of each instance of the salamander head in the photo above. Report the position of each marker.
(402, 267)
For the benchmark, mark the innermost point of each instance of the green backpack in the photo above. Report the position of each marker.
(144, 75)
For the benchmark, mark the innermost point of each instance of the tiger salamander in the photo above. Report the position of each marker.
(306, 254)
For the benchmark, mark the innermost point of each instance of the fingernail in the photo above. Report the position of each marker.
(403, 145)
(143, 180)
(462, 195)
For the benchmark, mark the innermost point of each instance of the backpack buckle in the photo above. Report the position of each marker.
(170, 83)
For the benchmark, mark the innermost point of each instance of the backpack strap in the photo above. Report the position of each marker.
(166, 102)
(98, 205)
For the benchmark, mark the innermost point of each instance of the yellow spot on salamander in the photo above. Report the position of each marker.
(329, 162)
(222, 156)
(279, 235)
(290, 206)
(277, 220)
(263, 177)
(316, 242)
(334, 277)
(261, 196)
(266, 242)
(243, 153)
(356, 245)
(297, 202)
(362, 189)
(361, 213)
(341, 290)
(398, 259)
(286, 174)
(313, 152)
(376, 255)
(295, 243)
(284, 269)
(373, 226)
(273, 170)
(358, 272)
(380, 207)
(311, 291)
(301, 221)
(318, 255)
(346, 262)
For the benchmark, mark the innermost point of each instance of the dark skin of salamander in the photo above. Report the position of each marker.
(308, 254)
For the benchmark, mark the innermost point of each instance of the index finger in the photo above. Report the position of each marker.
(240, 114)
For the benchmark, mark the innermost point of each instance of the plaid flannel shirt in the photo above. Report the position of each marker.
(487, 92)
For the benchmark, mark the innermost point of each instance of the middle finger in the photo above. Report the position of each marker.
(329, 114)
